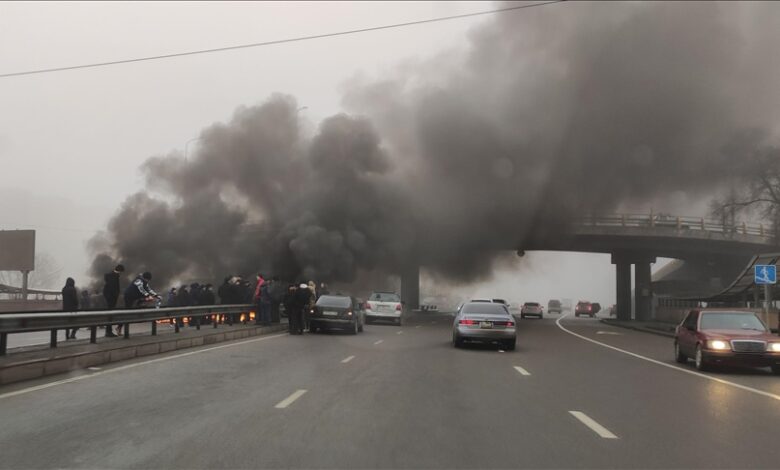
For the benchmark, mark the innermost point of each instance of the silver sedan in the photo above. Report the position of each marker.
(486, 323)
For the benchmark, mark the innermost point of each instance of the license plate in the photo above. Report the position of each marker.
(330, 313)
(485, 324)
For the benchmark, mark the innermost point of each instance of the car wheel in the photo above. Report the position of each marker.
(776, 369)
(577, 315)
(509, 345)
(701, 362)
(678, 355)
(457, 341)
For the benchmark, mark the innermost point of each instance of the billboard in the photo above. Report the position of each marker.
(17, 250)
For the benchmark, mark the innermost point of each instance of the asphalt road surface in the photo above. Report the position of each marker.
(400, 397)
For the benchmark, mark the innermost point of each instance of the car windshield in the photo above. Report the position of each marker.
(334, 301)
(484, 308)
(731, 321)
(385, 297)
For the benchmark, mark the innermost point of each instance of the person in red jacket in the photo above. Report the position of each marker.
(257, 299)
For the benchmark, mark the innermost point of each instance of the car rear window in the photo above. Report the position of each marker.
(334, 301)
(385, 297)
(531, 304)
(731, 321)
(499, 301)
(484, 308)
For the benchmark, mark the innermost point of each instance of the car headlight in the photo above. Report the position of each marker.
(774, 347)
(719, 345)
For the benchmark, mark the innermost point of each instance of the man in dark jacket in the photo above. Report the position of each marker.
(290, 307)
(70, 303)
(138, 292)
(301, 302)
(223, 292)
(111, 292)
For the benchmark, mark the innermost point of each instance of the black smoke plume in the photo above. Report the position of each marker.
(550, 113)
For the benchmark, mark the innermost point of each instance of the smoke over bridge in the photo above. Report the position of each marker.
(551, 112)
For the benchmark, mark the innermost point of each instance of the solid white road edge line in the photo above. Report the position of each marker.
(288, 401)
(594, 426)
(344, 361)
(522, 371)
(131, 366)
(679, 369)
(378, 342)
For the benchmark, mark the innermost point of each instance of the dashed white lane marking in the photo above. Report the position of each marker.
(344, 361)
(131, 366)
(522, 371)
(400, 332)
(594, 426)
(93, 368)
(609, 333)
(679, 369)
(418, 326)
(288, 401)
(433, 322)
(379, 342)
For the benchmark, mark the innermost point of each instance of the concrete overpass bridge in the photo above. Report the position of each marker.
(638, 239)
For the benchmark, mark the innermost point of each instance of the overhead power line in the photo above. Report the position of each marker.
(278, 41)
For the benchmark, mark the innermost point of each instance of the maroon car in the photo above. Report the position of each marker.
(584, 308)
(726, 337)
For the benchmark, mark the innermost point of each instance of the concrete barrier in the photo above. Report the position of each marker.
(61, 360)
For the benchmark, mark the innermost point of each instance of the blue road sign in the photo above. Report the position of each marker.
(765, 274)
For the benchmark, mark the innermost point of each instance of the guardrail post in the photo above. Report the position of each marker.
(93, 334)
(744, 228)
(53, 338)
(679, 225)
(154, 327)
(623, 220)
(3, 343)
(702, 223)
(761, 229)
(126, 330)
(652, 218)
(197, 323)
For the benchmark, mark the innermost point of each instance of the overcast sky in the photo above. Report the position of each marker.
(71, 142)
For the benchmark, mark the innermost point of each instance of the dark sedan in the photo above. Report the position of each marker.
(724, 337)
(337, 312)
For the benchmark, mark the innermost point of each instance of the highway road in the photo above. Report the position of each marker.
(575, 394)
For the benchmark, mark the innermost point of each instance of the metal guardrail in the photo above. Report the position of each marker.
(679, 223)
(93, 319)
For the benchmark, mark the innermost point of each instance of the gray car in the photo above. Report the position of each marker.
(485, 323)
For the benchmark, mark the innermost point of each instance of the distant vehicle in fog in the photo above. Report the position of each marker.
(554, 306)
(531, 309)
(337, 312)
(485, 322)
(384, 306)
(584, 308)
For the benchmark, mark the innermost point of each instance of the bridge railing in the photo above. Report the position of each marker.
(93, 319)
(679, 223)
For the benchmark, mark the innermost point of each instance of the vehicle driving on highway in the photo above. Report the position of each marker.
(337, 312)
(485, 322)
(584, 308)
(721, 337)
(531, 309)
(554, 306)
(384, 306)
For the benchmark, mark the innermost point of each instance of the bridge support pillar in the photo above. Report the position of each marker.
(410, 287)
(643, 294)
(623, 288)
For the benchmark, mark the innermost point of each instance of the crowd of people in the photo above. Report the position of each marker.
(268, 294)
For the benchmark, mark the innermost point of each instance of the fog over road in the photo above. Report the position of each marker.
(399, 397)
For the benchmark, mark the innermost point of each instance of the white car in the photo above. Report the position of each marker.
(384, 306)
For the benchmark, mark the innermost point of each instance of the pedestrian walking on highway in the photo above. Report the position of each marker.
(70, 303)
(289, 308)
(111, 293)
(139, 292)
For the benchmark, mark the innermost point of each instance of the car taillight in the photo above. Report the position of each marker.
(589, 308)
(398, 307)
(510, 324)
(467, 322)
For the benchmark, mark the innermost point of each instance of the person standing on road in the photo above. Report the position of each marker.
(312, 302)
(265, 303)
(256, 299)
(289, 307)
(111, 293)
(301, 308)
(70, 303)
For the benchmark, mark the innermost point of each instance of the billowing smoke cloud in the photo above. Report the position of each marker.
(551, 113)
